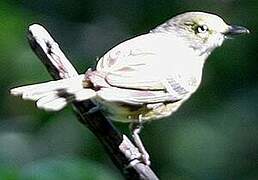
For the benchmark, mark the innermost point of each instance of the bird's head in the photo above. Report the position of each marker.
(201, 31)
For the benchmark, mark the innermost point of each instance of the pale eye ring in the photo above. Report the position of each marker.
(202, 29)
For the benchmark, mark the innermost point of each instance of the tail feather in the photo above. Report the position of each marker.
(35, 97)
(49, 86)
(55, 95)
(52, 103)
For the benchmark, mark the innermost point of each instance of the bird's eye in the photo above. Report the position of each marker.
(202, 29)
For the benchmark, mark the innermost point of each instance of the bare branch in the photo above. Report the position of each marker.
(120, 149)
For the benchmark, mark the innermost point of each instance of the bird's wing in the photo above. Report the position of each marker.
(138, 65)
(135, 96)
(141, 89)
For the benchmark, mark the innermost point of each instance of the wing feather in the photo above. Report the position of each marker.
(136, 97)
(138, 72)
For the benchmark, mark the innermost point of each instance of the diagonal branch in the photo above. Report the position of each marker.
(120, 149)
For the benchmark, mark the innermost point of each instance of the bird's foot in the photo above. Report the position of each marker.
(136, 128)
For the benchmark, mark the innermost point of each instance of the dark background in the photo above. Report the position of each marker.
(213, 136)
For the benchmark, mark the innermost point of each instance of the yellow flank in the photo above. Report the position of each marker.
(130, 113)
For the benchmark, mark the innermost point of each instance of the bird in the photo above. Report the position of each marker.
(144, 78)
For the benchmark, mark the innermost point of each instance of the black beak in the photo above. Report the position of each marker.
(236, 30)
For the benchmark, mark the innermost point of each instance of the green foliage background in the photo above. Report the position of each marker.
(213, 136)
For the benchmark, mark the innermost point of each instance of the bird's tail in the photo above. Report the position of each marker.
(55, 95)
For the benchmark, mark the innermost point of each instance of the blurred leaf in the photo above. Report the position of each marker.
(69, 169)
(8, 173)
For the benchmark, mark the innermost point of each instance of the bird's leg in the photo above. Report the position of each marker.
(136, 128)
